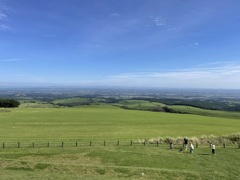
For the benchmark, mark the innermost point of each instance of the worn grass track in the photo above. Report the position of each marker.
(119, 163)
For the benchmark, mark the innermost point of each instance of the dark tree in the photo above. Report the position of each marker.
(9, 103)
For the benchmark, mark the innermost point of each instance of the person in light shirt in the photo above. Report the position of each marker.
(191, 148)
(213, 149)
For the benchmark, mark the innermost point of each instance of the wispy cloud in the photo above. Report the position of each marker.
(173, 29)
(10, 60)
(2, 15)
(115, 14)
(188, 45)
(3, 12)
(159, 21)
(4, 27)
(227, 76)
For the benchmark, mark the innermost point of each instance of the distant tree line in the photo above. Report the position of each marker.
(9, 103)
(211, 104)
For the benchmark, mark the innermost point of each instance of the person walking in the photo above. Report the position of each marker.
(185, 142)
(191, 148)
(213, 149)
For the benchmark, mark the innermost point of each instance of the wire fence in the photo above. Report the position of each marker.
(87, 143)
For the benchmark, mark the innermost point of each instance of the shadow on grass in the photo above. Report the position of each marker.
(204, 154)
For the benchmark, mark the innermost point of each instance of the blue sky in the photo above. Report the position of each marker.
(133, 43)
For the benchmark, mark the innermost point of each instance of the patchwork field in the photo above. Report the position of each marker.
(109, 123)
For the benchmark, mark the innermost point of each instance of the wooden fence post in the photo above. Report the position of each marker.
(118, 143)
(18, 144)
(3, 145)
(62, 143)
(90, 144)
(48, 144)
(104, 143)
(131, 143)
(157, 143)
(224, 145)
(76, 143)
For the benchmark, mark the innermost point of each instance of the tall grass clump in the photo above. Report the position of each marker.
(202, 140)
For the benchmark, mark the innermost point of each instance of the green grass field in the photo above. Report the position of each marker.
(118, 162)
(102, 122)
(107, 124)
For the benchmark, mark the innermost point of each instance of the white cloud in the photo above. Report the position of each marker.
(2, 15)
(173, 29)
(159, 21)
(4, 27)
(219, 76)
(188, 45)
(214, 77)
(115, 15)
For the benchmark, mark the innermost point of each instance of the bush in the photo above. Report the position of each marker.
(9, 103)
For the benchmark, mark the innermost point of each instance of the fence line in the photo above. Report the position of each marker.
(85, 143)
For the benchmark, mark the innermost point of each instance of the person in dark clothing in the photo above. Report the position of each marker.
(185, 142)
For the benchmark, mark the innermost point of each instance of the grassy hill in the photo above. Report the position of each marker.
(101, 121)
(104, 123)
